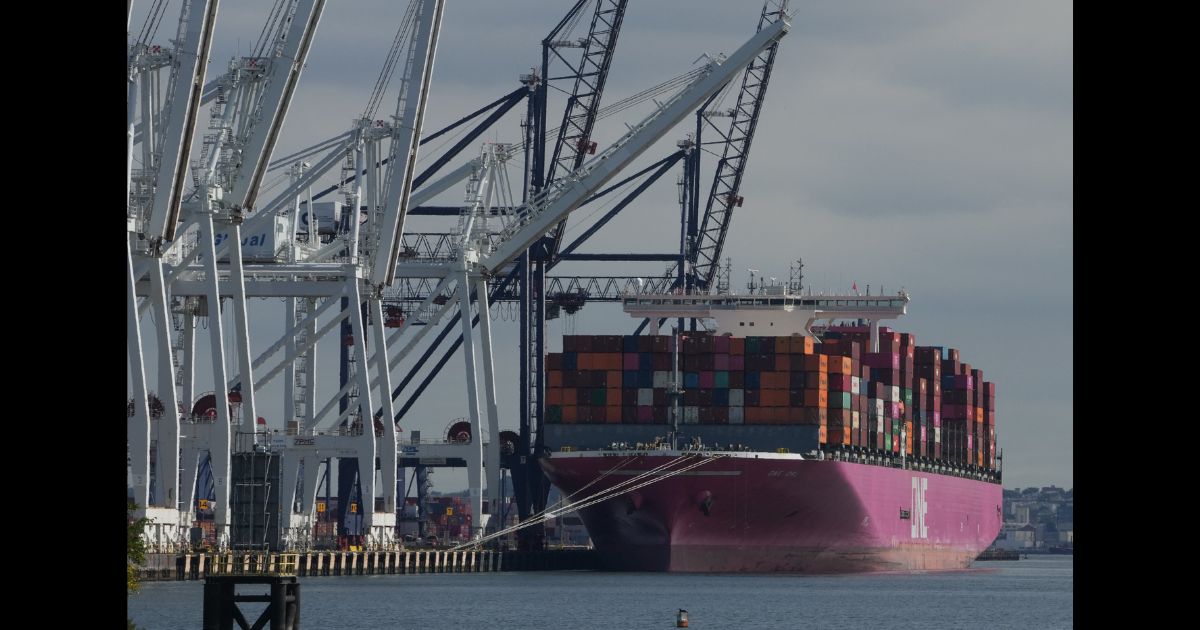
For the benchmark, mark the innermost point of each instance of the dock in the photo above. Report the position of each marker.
(198, 566)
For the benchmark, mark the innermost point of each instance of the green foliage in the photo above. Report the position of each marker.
(135, 549)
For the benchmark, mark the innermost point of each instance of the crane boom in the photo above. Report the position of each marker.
(187, 81)
(277, 96)
(557, 201)
(406, 136)
(723, 195)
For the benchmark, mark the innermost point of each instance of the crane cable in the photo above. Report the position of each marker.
(602, 495)
(273, 27)
(153, 19)
(546, 513)
(389, 63)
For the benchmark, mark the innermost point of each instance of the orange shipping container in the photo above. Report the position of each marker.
(754, 415)
(584, 360)
(839, 365)
(613, 379)
(816, 363)
(554, 378)
(795, 415)
(822, 436)
(737, 345)
(613, 397)
(568, 397)
(821, 397)
(801, 345)
(612, 413)
(570, 414)
(613, 361)
(554, 396)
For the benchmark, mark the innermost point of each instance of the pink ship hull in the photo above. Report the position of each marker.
(776, 514)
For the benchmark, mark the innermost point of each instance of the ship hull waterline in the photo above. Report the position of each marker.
(768, 513)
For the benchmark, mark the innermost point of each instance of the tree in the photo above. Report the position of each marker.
(135, 548)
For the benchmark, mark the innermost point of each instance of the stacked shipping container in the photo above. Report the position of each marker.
(891, 400)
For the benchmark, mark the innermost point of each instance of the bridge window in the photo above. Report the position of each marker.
(777, 302)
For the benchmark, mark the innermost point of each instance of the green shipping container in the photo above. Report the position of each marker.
(599, 397)
(907, 397)
(721, 379)
(554, 414)
(752, 345)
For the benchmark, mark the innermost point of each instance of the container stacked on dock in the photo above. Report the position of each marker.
(921, 401)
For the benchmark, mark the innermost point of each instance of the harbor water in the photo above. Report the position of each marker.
(1036, 592)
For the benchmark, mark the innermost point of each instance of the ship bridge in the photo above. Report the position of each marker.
(772, 311)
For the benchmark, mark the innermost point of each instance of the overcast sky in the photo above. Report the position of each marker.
(903, 143)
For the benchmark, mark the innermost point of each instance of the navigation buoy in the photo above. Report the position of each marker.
(681, 619)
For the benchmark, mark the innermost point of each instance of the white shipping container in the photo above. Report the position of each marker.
(737, 397)
(645, 396)
(854, 419)
(896, 394)
(691, 414)
(855, 385)
(265, 245)
(662, 379)
(736, 415)
(937, 435)
(330, 215)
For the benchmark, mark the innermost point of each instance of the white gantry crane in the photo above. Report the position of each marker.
(185, 255)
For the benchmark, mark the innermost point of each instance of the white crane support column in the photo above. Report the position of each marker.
(148, 105)
(289, 476)
(360, 163)
(874, 335)
(167, 478)
(219, 439)
(187, 388)
(492, 458)
(406, 137)
(131, 111)
(289, 373)
(277, 95)
(310, 389)
(241, 325)
(474, 455)
(366, 448)
(189, 459)
(386, 520)
(187, 78)
(545, 211)
(138, 426)
(312, 474)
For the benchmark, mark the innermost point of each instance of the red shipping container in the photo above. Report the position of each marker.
(721, 361)
(816, 363)
(721, 344)
(737, 345)
(661, 362)
(782, 363)
(645, 414)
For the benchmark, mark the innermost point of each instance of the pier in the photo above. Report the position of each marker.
(199, 566)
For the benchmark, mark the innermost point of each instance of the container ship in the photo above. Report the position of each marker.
(796, 434)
